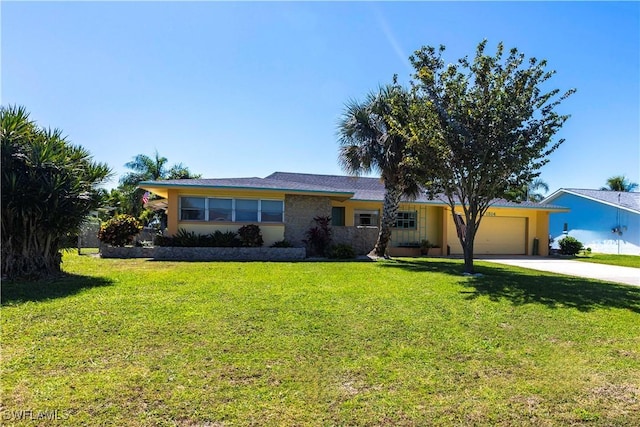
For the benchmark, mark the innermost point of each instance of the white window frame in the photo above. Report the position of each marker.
(233, 209)
(358, 212)
(413, 217)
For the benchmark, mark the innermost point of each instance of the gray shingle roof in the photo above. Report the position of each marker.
(627, 200)
(356, 188)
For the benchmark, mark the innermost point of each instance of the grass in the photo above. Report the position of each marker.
(620, 260)
(409, 342)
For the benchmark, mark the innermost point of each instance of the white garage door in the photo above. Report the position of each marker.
(496, 236)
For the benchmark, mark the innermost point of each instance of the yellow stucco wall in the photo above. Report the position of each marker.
(271, 232)
(434, 222)
(536, 226)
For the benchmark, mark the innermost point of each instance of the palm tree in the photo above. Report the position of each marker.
(145, 169)
(48, 188)
(620, 183)
(533, 190)
(371, 140)
(528, 192)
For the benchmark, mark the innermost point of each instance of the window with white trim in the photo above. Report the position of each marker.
(192, 209)
(406, 220)
(231, 210)
(366, 218)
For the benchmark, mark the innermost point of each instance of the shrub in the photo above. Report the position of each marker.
(189, 239)
(228, 239)
(282, 244)
(570, 246)
(342, 251)
(119, 230)
(318, 238)
(250, 236)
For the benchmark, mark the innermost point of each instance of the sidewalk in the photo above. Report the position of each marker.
(589, 270)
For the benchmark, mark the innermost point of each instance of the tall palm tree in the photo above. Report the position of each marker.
(371, 140)
(620, 183)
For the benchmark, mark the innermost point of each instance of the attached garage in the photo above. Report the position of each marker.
(496, 236)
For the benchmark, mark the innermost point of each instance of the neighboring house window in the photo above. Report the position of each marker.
(406, 220)
(366, 218)
(192, 209)
(231, 210)
(220, 209)
(337, 216)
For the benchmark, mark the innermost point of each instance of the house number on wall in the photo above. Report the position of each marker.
(490, 214)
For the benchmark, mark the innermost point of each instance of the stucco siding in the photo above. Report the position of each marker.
(592, 223)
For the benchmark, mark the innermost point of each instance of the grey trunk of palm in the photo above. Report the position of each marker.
(392, 197)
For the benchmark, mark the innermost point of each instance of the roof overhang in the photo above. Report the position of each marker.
(162, 189)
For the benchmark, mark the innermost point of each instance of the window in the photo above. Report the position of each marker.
(366, 218)
(337, 216)
(271, 211)
(192, 209)
(220, 210)
(246, 210)
(406, 220)
(236, 210)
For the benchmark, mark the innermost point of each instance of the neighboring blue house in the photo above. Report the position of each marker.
(605, 221)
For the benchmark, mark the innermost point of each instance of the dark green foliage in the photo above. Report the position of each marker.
(250, 236)
(318, 238)
(189, 239)
(282, 244)
(48, 189)
(374, 137)
(227, 239)
(620, 183)
(486, 125)
(570, 246)
(119, 230)
(341, 251)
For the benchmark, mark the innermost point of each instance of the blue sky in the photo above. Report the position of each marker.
(245, 89)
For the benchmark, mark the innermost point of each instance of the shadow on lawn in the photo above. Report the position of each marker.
(18, 292)
(521, 286)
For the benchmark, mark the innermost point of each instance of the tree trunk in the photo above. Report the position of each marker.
(466, 235)
(392, 197)
(467, 248)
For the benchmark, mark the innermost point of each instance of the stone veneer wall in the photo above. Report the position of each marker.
(205, 254)
(299, 212)
(362, 239)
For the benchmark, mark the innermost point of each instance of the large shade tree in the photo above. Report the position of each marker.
(373, 137)
(487, 128)
(49, 186)
(620, 183)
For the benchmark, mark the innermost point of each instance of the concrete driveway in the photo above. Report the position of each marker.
(609, 273)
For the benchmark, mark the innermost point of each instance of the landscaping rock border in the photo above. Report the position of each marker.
(205, 254)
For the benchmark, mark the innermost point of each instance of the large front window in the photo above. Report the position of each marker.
(231, 210)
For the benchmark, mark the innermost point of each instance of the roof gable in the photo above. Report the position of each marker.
(625, 200)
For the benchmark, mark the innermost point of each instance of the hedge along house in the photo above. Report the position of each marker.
(284, 205)
(603, 220)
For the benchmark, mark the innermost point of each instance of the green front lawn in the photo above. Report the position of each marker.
(621, 260)
(409, 342)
